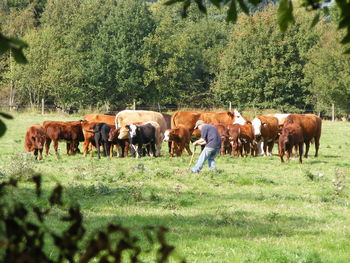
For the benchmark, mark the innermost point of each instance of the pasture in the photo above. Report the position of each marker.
(251, 210)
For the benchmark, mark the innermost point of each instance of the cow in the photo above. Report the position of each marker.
(234, 131)
(292, 135)
(70, 131)
(89, 135)
(100, 118)
(128, 117)
(34, 140)
(123, 143)
(247, 140)
(143, 135)
(167, 118)
(266, 130)
(189, 118)
(179, 139)
(311, 126)
(101, 134)
(223, 132)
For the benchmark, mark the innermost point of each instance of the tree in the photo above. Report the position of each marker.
(256, 71)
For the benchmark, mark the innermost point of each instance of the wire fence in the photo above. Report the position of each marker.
(330, 114)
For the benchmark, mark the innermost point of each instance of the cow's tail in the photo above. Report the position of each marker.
(116, 121)
(172, 121)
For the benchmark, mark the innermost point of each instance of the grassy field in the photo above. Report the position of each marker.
(252, 210)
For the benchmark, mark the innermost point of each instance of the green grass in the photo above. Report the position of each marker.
(253, 210)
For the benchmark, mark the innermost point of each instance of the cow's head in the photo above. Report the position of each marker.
(168, 135)
(123, 132)
(133, 129)
(238, 119)
(39, 140)
(257, 125)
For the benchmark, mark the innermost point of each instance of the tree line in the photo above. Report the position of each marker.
(111, 53)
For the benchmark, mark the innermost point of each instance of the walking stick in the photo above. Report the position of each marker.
(194, 150)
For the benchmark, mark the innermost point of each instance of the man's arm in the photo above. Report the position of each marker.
(201, 141)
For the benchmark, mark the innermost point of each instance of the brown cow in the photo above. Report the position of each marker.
(34, 140)
(248, 140)
(223, 132)
(99, 118)
(266, 130)
(180, 140)
(292, 135)
(122, 143)
(189, 118)
(234, 131)
(167, 118)
(69, 131)
(311, 126)
(88, 131)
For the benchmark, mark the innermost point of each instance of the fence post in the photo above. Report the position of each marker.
(134, 105)
(230, 106)
(158, 107)
(42, 106)
(332, 111)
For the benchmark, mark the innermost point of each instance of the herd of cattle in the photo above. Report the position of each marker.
(144, 131)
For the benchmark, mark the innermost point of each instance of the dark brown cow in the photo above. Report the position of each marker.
(311, 126)
(234, 131)
(167, 118)
(292, 135)
(122, 143)
(34, 140)
(100, 118)
(69, 131)
(266, 130)
(248, 141)
(223, 132)
(180, 140)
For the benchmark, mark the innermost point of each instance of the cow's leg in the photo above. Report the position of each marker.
(265, 148)
(47, 145)
(289, 153)
(68, 146)
(153, 148)
(55, 146)
(86, 147)
(317, 145)
(40, 154)
(301, 152)
(36, 154)
(170, 143)
(270, 147)
(281, 153)
(307, 144)
(97, 143)
(126, 150)
(172, 148)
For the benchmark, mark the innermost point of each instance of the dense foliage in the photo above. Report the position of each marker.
(110, 53)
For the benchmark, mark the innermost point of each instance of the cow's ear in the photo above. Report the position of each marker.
(127, 126)
(231, 113)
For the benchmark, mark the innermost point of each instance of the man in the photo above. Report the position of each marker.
(212, 141)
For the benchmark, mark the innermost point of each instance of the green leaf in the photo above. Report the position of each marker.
(232, 12)
(2, 128)
(315, 20)
(285, 14)
(6, 116)
(185, 6)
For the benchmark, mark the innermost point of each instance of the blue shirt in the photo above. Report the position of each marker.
(211, 135)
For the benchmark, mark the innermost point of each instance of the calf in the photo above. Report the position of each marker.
(140, 135)
(122, 143)
(89, 136)
(58, 130)
(234, 131)
(101, 133)
(179, 138)
(34, 140)
(292, 135)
